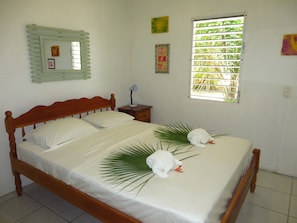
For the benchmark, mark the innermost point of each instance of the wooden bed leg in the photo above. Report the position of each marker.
(253, 183)
(18, 184)
(256, 153)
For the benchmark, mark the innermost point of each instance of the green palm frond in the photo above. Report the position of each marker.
(174, 133)
(127, 167)
(177, 133)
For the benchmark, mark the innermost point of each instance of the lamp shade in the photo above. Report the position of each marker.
(133, 87)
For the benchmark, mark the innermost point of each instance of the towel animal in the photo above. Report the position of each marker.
(199, 137)
(161, 162)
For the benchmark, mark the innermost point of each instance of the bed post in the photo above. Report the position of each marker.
(113, 102)
(256, 153)
(10, 129)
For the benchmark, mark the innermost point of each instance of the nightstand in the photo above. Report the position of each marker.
(140, 112)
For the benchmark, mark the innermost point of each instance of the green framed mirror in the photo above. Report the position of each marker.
(58, 54)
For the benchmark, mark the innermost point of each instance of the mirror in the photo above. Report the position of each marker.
(61, 54)
(58, 54)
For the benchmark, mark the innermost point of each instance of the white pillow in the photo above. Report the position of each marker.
(107, 119)
(57, 132)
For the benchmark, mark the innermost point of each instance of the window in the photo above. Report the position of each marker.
(217, 49)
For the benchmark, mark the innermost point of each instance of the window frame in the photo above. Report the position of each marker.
(196, 96)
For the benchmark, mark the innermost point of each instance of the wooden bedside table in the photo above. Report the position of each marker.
(140, 112)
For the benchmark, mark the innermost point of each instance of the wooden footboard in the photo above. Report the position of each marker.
(82, 200)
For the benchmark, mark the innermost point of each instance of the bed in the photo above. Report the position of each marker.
(61, 170)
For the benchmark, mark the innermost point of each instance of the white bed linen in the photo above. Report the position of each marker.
(198, 195)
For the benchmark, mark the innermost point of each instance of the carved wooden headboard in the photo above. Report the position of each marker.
(43, 113)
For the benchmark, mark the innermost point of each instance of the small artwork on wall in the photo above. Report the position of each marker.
(160, 24)
(51, 63)
(289, 44)
(162, 58)
(55, 51)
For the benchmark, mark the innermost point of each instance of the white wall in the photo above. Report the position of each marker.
(105, 20)
(263, 114)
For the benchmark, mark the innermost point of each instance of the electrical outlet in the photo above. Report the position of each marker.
(287, 91)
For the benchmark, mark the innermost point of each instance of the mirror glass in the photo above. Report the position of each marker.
(58, 54)
(65, 54)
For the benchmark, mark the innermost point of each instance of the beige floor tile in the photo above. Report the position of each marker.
(39, 193)
(65, 209)
(294, 187)
(292, 220)
(17, 207)
(293, 206)
(43, 215)
(5, 219)
(85, 218)
(269, 199)
(274, 181)
(7, 197)
(253, 214)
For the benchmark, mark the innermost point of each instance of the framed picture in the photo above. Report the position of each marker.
(51, 63)
(289, 45)
(160, 24)
(55, 51)
(162, 58)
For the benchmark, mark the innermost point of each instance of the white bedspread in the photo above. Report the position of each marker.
(198, 195)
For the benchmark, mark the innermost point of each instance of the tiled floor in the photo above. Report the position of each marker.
(275, 201)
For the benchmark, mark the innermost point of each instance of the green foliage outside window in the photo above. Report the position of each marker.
(216, 58)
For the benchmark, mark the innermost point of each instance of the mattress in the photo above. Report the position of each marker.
(200, 194)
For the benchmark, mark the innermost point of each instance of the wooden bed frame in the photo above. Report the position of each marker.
(98, 209)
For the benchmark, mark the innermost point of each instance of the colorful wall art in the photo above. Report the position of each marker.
(289, 44)
(162, 58)
(160, 24)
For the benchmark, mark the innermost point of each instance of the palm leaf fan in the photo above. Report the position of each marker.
(174, 133)
(128, 166)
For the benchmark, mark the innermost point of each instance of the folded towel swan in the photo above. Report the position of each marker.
(199, 137)
(161, 162)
